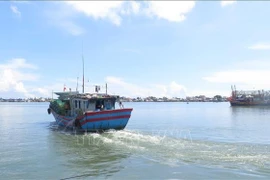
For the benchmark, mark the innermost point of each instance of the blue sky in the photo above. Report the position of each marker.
(139, 48)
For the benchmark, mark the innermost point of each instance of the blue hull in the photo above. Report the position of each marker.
(96, 121)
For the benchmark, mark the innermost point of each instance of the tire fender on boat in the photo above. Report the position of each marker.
(49, 110)
(77, 123)
(79, 112)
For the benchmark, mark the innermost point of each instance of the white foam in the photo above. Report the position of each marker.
(172, 151)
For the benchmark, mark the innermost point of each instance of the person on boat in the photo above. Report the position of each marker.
(121, 105)
(98, 106)
(67, 108)
(101, 107)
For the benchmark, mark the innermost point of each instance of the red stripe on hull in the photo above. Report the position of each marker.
(104, 118)
(108, 111)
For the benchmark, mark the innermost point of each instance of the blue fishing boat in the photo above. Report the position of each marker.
(91, 112)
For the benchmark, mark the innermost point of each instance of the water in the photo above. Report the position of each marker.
(161, 141)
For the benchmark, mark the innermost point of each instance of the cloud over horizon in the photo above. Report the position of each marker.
(245, 78)
(15, 10)
(260, 46)
(118, 85)
(13, 76)
(227, 3)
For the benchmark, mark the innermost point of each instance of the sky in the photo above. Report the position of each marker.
(139, 48)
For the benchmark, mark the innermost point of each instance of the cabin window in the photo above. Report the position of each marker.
(75, 103)
(99, 104)
(108, 104)
(87, 104)
(79, 104)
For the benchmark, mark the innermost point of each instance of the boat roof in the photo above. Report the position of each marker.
(76, 94)
(66, 95)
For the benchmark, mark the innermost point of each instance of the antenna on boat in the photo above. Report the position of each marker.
(106, 88)
(77, 84)
(83, 71)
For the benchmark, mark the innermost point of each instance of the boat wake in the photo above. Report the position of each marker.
(174, 151)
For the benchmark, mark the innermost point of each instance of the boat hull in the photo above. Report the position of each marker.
(241, 103)
(96, 121)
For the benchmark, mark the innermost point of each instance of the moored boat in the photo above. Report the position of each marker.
(249, 98)
(89, 112)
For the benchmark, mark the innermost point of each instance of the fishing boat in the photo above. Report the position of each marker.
(249, 98)
(89, 112)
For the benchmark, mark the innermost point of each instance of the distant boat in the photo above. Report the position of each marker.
(89, 112)
(249, 98)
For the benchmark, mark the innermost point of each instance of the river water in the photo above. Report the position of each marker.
(161, 141)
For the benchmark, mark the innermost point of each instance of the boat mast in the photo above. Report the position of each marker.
(83, 71)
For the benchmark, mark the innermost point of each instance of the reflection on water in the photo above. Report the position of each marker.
(250, 110)
(251, 124)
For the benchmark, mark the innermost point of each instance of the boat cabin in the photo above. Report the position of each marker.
(73, 103)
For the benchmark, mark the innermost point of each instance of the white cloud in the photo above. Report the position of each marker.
(135, 7)
(19, 87)
(21, 2)
(43, 91)
(251, 78)
(114, 11)
(15, 10)
(174, 11)
(227, 2)
(99, 9)
(252, 74)
(119, 86)
(175, 88)
(130, 7)
(260, 46)
(12, 76)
